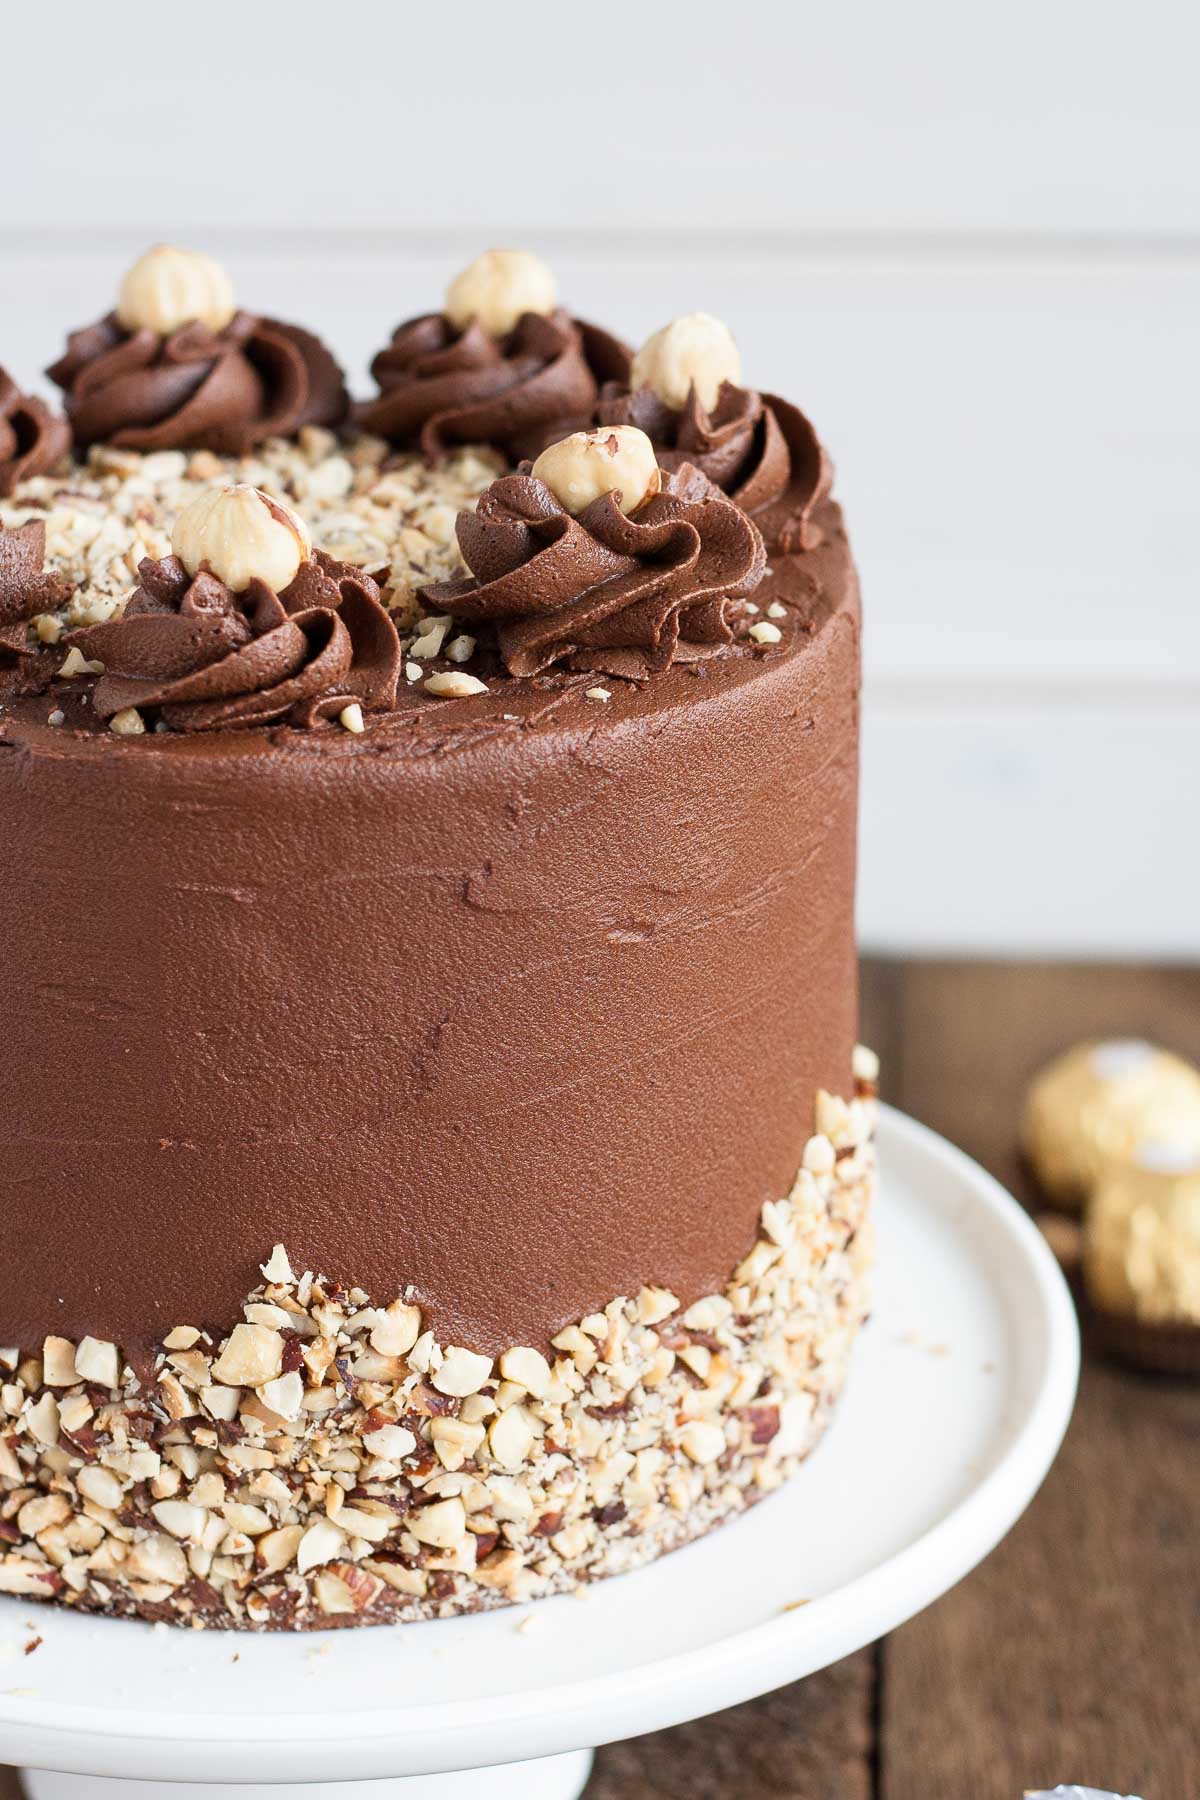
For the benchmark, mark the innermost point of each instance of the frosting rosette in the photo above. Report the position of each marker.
(760, 449)
(196, 388)
(442, 385)
(603, 591)
(27, 588)
(32, 437)
(206, 659)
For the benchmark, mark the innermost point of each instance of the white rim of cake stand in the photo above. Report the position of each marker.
(550, 1720)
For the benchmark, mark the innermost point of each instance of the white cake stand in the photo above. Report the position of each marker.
(959, 1396)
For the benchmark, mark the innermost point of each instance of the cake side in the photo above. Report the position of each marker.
(327, 1463)
(432, 852)
(521, 999)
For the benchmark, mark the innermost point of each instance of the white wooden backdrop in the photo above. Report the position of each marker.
(969, 245)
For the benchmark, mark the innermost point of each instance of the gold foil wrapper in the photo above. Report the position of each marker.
(1087, 1113)
(1141, 1251)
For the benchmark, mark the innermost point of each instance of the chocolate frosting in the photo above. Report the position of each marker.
(197, 389)
(207, 659)
(760, 449)
(602, 591)
(32, 438)
(26, 588)
(442, 386)
(522, 999)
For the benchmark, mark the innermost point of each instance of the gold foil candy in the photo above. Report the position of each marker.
(1089, 1110)
(1141, 1253)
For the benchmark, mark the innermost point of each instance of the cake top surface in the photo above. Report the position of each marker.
(527, 522)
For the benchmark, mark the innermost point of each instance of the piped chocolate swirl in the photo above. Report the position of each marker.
(441, 385)
(197, 388)
(32, 437)
(27, 588)
(761, 450)
(603, 591)
(203, 658)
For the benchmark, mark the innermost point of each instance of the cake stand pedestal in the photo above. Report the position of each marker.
(547, 1778)
(959, 1396)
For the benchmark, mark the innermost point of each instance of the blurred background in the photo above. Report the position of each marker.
(967, 241)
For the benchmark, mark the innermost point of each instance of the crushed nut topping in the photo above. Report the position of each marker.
(329, 1459)
(392, 516)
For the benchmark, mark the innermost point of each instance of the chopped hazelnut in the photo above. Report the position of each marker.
(527, 1367)
(127, 723)
(702, 1441)
(443, 1525)
(462, 1372)
(58, 1362)
(397, 1330)
(452, 684)
(319, 1544)
(277, 1269)
(511, 1436)
(253, 1355)
(97, 1361)
(76, 663)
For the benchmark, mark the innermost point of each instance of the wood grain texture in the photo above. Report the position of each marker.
(1073, 1654)
(811, 1741)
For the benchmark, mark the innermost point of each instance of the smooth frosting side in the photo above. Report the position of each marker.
(522, 998)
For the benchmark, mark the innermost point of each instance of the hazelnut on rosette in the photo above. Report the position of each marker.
(684, 391)
(32, 437)
(27, 590)
(177, 366)
(596, 558)
(501, 364)
(244, 624)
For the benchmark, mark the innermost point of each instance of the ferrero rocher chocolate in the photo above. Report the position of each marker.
(1141, 1255)
(1090, 1109)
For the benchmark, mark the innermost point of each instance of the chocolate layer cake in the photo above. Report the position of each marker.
(437, 1165)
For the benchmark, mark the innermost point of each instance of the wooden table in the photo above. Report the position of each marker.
(1073, 1654)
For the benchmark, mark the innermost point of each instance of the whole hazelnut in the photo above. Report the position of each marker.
(168, 288)
(696, 351)
(616, 459)
(241, 535)
(497, 288)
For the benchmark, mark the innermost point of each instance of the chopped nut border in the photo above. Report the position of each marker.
(330, 1463)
